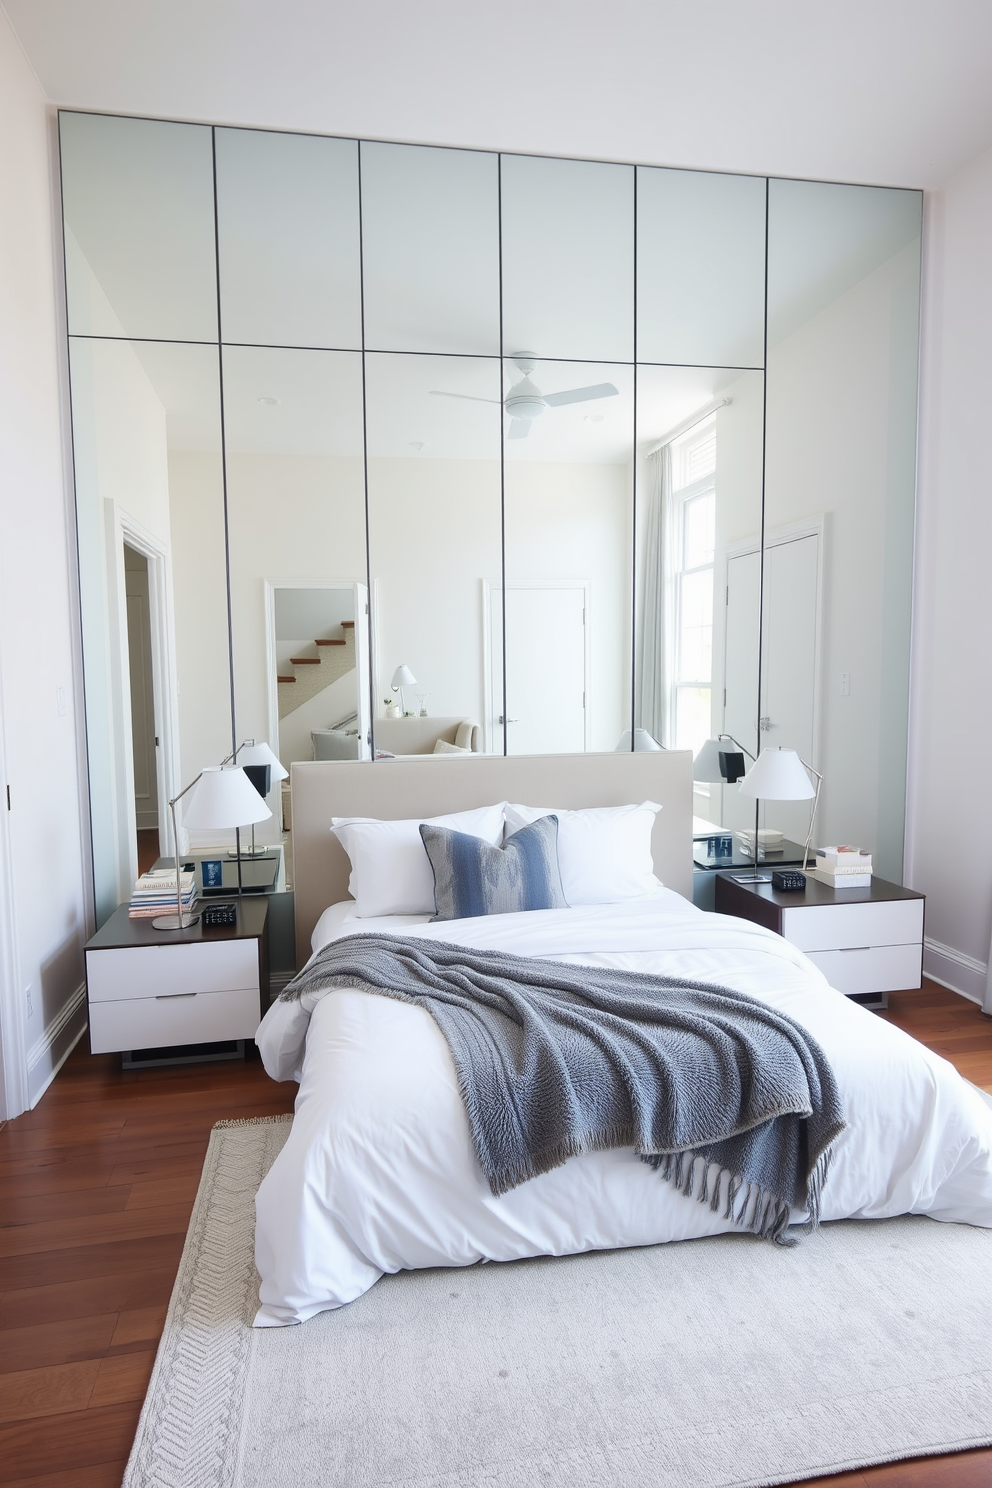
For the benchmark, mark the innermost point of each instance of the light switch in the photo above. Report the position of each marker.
(845, 684)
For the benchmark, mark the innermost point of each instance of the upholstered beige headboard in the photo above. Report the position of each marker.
(433, 785)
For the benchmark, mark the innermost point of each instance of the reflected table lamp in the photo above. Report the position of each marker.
(643, 742)
(402, 677)
(262, 767)
(223, 797)
(779, 775)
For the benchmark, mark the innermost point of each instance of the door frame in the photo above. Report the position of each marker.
(492, 587)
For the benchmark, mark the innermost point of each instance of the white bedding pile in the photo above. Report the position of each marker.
(379, 1173)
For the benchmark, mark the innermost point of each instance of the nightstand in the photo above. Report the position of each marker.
(164, 995)
(867, 942)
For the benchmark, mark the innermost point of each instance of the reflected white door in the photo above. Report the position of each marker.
(546, 681)
(740, 713)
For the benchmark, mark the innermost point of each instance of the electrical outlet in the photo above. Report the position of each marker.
(60, 700)
(845, 684)
(29, 1000)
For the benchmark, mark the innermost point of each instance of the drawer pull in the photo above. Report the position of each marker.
(170, 996)
(854, 948)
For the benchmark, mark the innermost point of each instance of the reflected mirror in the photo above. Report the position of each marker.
(430, 244)
(697, 555)
(150, 514)
(296, 523)
(843, 331)
(435, 550)
(288, 240)
(568, 259)
(568, 496)
(138, 208)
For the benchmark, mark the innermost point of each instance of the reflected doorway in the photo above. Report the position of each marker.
(547, 665)
(144, 736)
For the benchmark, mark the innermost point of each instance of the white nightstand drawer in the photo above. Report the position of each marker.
(826, 927)
(891, 968)
(125, 973)
(160, 1022)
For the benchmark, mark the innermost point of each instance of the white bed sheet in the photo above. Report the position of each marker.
(379, 1173)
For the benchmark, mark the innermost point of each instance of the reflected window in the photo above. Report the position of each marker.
(694, 502)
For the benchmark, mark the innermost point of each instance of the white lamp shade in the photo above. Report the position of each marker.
(778, 775)
(403, 677)
(643, 741)
(706, 765)
(261, 754)
(223, 796)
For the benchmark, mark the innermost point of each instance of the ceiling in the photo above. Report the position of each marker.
(891, 92)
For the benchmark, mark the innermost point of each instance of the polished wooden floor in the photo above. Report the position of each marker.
(96, 1187)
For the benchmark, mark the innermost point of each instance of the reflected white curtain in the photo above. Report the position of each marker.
(656, 639)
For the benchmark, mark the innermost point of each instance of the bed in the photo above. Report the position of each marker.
(379, 1173)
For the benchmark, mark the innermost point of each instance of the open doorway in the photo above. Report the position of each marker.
(144, 737)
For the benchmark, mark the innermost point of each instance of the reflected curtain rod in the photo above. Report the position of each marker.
(689, 423)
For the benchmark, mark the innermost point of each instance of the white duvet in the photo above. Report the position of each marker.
(379, 1173)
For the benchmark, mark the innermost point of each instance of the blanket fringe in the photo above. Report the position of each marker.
(759, 1212)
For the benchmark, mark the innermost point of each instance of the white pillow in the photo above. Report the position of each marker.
(390, 870)
(604, 853)
(442, 746)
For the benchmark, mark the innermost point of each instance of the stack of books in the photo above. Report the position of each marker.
(770, 840)
(843, 867)
(155, 893)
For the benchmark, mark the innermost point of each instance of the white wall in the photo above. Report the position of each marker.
(950, 799)
(42, 904)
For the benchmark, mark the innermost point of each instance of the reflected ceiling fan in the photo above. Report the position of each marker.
(525, 402)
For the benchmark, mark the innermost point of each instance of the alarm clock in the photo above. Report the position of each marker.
(788, 879)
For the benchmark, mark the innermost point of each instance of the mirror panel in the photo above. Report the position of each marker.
(700, 268)
(843, 331)
(288, 239)
(430, 244)
(146, 436)
(698, 566)
(568, 544)
(568, 259)
(137, 200)
(434, 540)
(296, 520)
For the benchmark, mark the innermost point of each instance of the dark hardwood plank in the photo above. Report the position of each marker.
(100, 1475)
(52, 1391)
(94, 1229)
(90, 1261)
(114, 1292)
(122, 1377)
(62, 1340)
(67, 1442)
(34, 1209)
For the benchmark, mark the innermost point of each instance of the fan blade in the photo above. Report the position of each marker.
(581, 395)
(466, 397)
(519, 429)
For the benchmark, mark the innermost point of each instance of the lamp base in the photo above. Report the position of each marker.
(753, 877)
(247, 852)
(173, 922)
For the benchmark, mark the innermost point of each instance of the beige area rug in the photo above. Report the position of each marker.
(712, 1364)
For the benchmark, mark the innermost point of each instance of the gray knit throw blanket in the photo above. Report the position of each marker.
(723, 1096)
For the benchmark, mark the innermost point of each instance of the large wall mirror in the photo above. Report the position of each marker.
(381, 447)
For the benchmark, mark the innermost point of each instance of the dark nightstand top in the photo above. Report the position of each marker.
(121, 930)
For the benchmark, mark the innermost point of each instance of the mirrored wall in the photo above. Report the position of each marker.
(376, 441)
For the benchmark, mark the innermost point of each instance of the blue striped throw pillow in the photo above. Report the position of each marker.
(472, 877)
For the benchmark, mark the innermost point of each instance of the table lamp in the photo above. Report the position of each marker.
(402, 677)
(780, 775)
(262, 767)
(223, 797)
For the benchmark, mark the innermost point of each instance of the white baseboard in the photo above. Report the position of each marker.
(955, 970)
(52, 1048)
